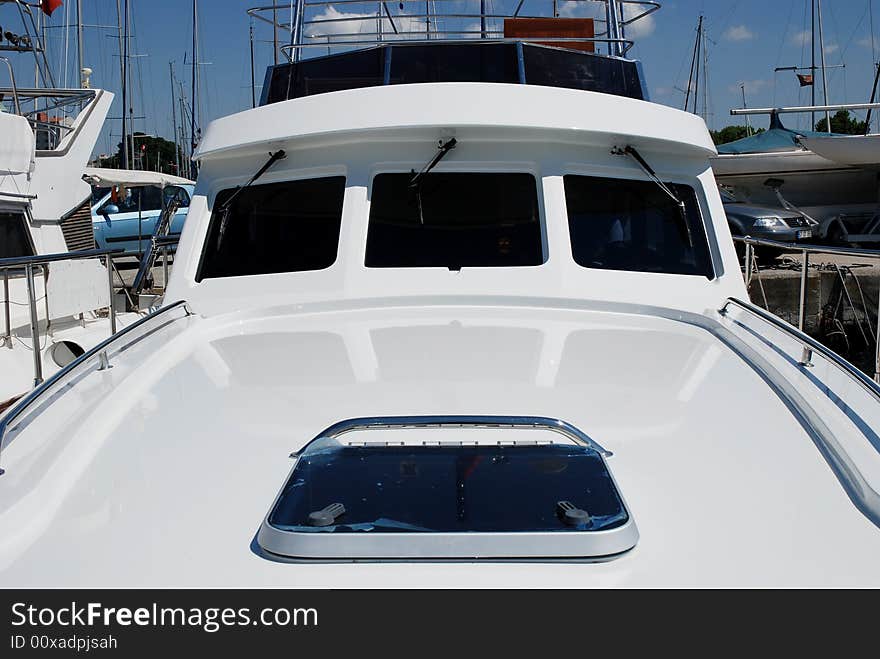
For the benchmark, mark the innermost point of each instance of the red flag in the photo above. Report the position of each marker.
(48, 6)
(805, 79)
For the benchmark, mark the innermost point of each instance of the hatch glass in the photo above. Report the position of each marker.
(408, 498)
(435, 488)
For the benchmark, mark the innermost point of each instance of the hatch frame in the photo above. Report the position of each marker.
(594, 546)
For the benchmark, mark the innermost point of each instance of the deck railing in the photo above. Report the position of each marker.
(29, 265)
(750, 269)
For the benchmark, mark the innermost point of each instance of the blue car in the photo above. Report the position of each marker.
(129, 221)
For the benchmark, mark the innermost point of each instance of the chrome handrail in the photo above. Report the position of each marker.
(809, 345)
(813, 249)
(29, 263)
(42, 259)
(806, 250)
(460, 421)
(99, 350)
(14, 87)
(382, 27)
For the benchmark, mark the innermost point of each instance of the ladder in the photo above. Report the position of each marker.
(148, 259)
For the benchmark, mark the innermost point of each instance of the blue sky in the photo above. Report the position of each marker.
(748, 39)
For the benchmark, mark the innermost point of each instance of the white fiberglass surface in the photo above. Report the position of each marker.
(173, 478)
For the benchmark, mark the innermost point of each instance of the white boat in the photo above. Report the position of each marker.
(55, 287)
(849, 150)
(823, 182)
(451, 338)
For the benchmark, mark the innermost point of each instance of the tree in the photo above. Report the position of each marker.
(843, 123)
(731, 134)
(147, 150)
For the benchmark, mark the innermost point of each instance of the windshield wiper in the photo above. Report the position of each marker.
(415, 183)
(635, 155)
(224, 208)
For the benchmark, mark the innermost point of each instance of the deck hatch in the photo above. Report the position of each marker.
(405, 498)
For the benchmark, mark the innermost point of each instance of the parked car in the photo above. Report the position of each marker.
(129, 221)
(765, 222)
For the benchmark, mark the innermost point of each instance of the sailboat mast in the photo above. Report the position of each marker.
(79, 42)
(195, 76)
(124, 30)
(174, 120)
(824, 74)
(694, 64)
(699, 56)
(813, 61)
(253, 81)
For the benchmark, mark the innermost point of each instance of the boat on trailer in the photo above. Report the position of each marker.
(439, 317)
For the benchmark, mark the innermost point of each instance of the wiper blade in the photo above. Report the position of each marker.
(224, 208)
(635, 155)
(415, 183)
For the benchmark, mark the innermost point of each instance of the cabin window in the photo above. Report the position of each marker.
(278, 227)
(618, 224)
(454, 220)
(15, 240)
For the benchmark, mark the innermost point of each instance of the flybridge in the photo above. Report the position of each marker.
(371, 44)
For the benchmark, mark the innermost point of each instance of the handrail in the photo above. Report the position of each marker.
(460, 421)
(805, 251)
(809, 344)
(800, 247)
(14, 88)
(41, 259)
(99, 350)
(440, 22)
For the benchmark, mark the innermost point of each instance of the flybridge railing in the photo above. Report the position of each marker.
(319, 24)
(30, 103)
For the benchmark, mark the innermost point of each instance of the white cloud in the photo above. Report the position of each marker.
(340, 22)
(580, 9)
(801, 38)
(830, 48)
(738, 33)
(642, 27)
(866, 43)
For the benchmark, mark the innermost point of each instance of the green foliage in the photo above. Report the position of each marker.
(732, 133)
(157, 148)
(844, 123)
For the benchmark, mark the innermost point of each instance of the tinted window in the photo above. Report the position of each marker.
(633, 225)
(279, 227)
(14, 236)
(444, 489)
(327, 74)
(465, 220)
(554, 67)
(454, 63)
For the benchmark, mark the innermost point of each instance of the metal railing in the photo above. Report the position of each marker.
(99, 351)
(28, 264)
(12, 82)
(318, 24)
(805, 251)
(809, 345)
